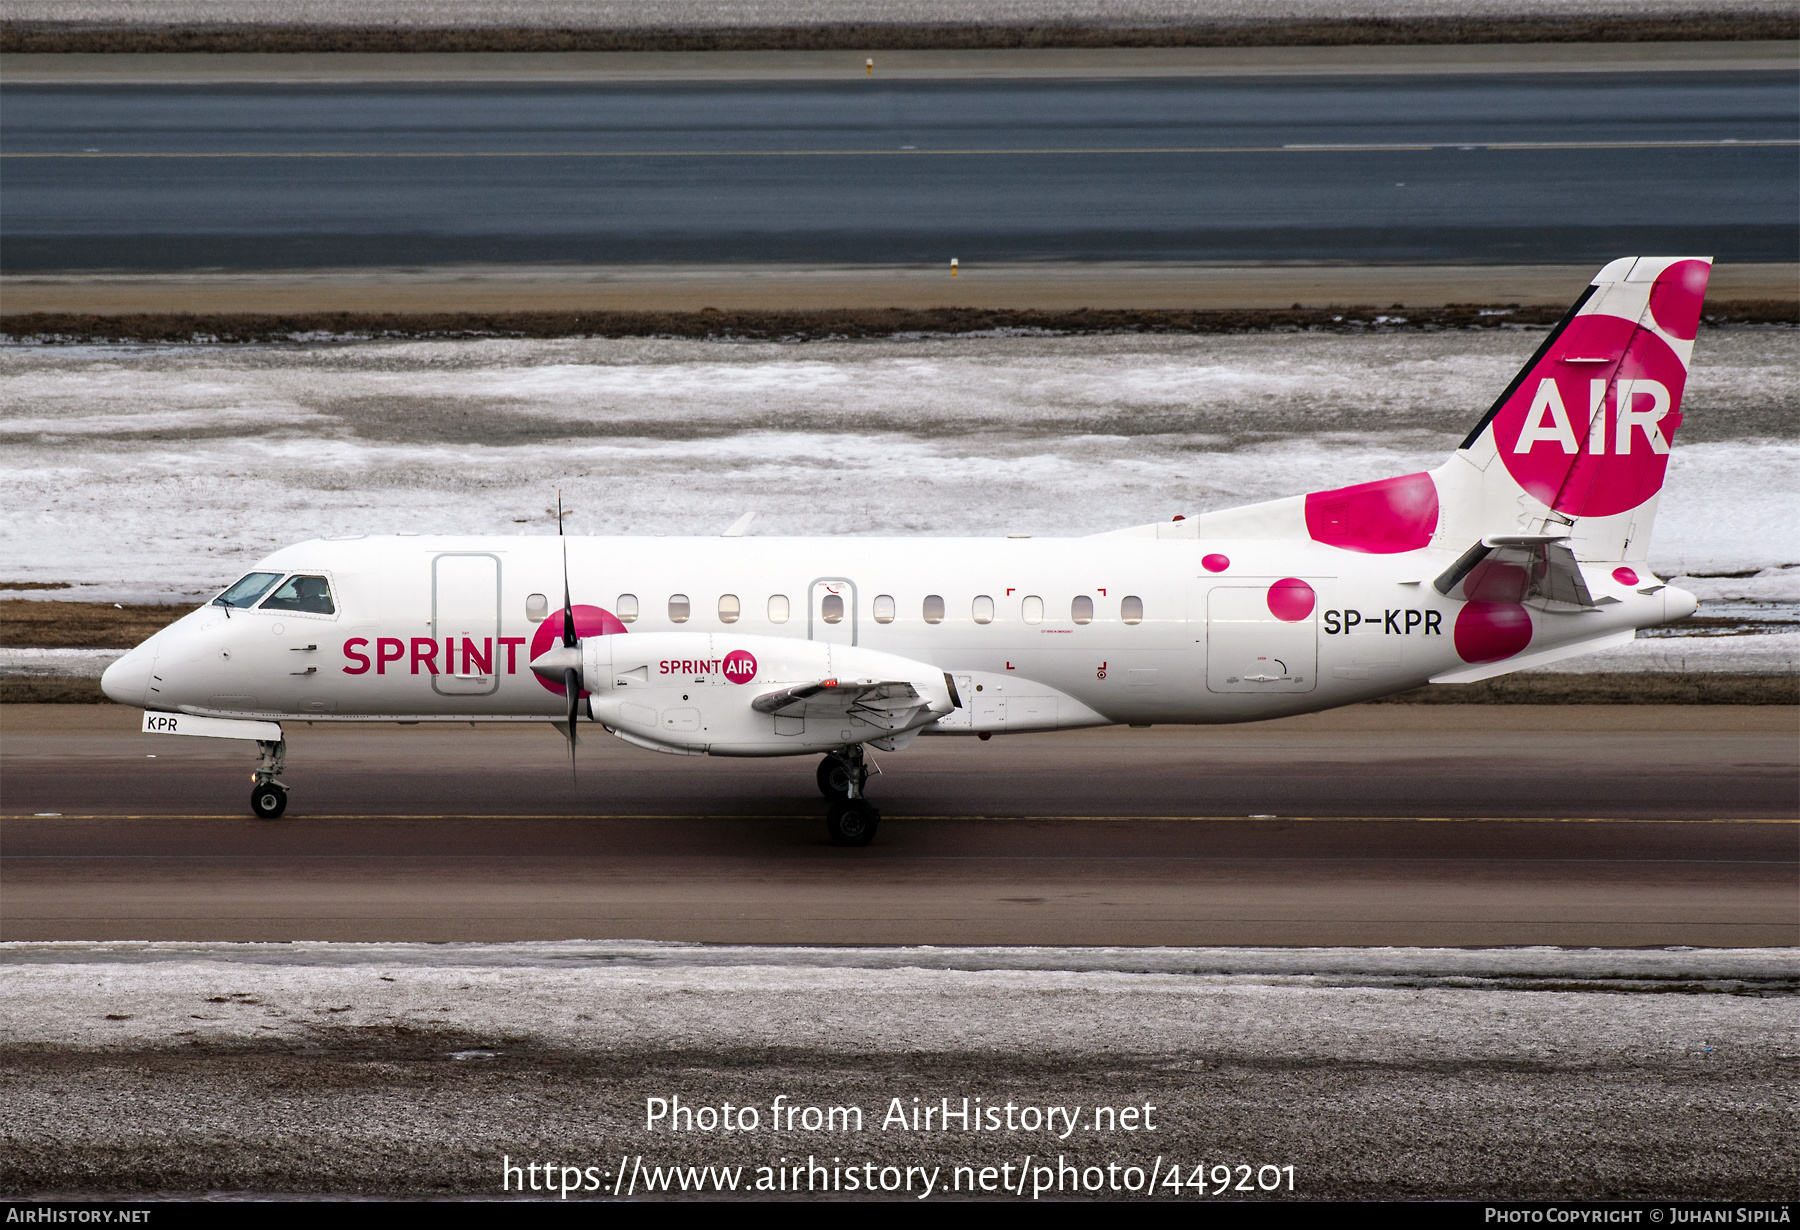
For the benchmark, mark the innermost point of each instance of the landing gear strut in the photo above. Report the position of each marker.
(850, 821)
(268, 799)
(834, 774)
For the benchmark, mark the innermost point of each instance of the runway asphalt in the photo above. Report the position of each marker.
(1429, 168)
(1437, 825)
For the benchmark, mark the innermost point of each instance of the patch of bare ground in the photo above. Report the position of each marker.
(53, 37)
(809, 325)
(27, 624)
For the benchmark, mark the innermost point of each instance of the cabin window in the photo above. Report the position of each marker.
(729, 608)
(831, 609)
(248, 590)
(778, 608)
(1082, 609)
(537, 608)
(1032, 610)
(934, 609)
(982, 609)
(626, 608)
(679, 609)
(307, 595)
(1131, 610)
(884, 608)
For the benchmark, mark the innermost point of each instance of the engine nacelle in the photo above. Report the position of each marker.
(697, 693)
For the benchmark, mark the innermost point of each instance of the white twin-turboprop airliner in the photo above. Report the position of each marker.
(1527, 546)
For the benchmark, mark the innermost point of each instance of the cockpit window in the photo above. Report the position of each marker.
(247, 591)
(310, 595)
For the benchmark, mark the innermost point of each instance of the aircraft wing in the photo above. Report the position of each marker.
(885, 704)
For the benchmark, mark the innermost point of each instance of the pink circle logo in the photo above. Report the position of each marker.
(1490, 631)
(1588, 431)
(1677, 297)
(1291, 600)
(589, 621)
(1215, 563)
(1625, 576)
(740, 666)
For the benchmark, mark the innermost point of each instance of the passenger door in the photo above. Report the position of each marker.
(465, 603)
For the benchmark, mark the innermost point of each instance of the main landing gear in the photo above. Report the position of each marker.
(268, 799)
(850, 821)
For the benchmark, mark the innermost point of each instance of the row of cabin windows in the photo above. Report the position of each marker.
(831, 609)
(1031, 609)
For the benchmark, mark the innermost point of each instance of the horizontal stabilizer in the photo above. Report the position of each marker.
(1488, 670)
(1516, 568)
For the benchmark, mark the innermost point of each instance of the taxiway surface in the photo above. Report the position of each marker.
(1426, 168)
(1380, 825)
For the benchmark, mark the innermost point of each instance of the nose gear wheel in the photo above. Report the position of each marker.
(269, 799)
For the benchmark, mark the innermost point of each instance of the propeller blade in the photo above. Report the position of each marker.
(568, 628)
(572, 686)
(571, 675)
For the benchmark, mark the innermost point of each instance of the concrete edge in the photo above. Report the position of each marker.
(623, 67)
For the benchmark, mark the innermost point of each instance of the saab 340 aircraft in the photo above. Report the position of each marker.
(1527, 546)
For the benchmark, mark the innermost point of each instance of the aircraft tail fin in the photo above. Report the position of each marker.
(1578, 443)
(1572, 452)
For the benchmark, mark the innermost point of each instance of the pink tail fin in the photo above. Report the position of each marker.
(1583, 432)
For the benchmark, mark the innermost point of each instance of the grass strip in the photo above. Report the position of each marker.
(62, 38)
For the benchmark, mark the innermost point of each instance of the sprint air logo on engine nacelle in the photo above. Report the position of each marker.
(1588, 431)
(738, 666)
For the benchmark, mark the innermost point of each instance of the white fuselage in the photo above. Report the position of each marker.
(442, 628)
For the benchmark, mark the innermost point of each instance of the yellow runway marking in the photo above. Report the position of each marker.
(1084, 151)
(896, 816)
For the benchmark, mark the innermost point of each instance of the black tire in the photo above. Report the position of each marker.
(851, 822)
(268, 801)
(834, 778)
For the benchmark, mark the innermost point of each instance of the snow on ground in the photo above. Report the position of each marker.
(599, 997)
(56, 663)
(1766, 654)
(152, 472)
(274, 1069)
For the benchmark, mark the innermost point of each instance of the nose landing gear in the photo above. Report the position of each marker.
(850, 821)
(268, 798)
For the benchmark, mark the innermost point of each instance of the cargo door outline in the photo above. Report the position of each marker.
(1248, 650)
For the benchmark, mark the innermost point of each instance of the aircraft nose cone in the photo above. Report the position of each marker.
(127, 680)
(554, 661)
